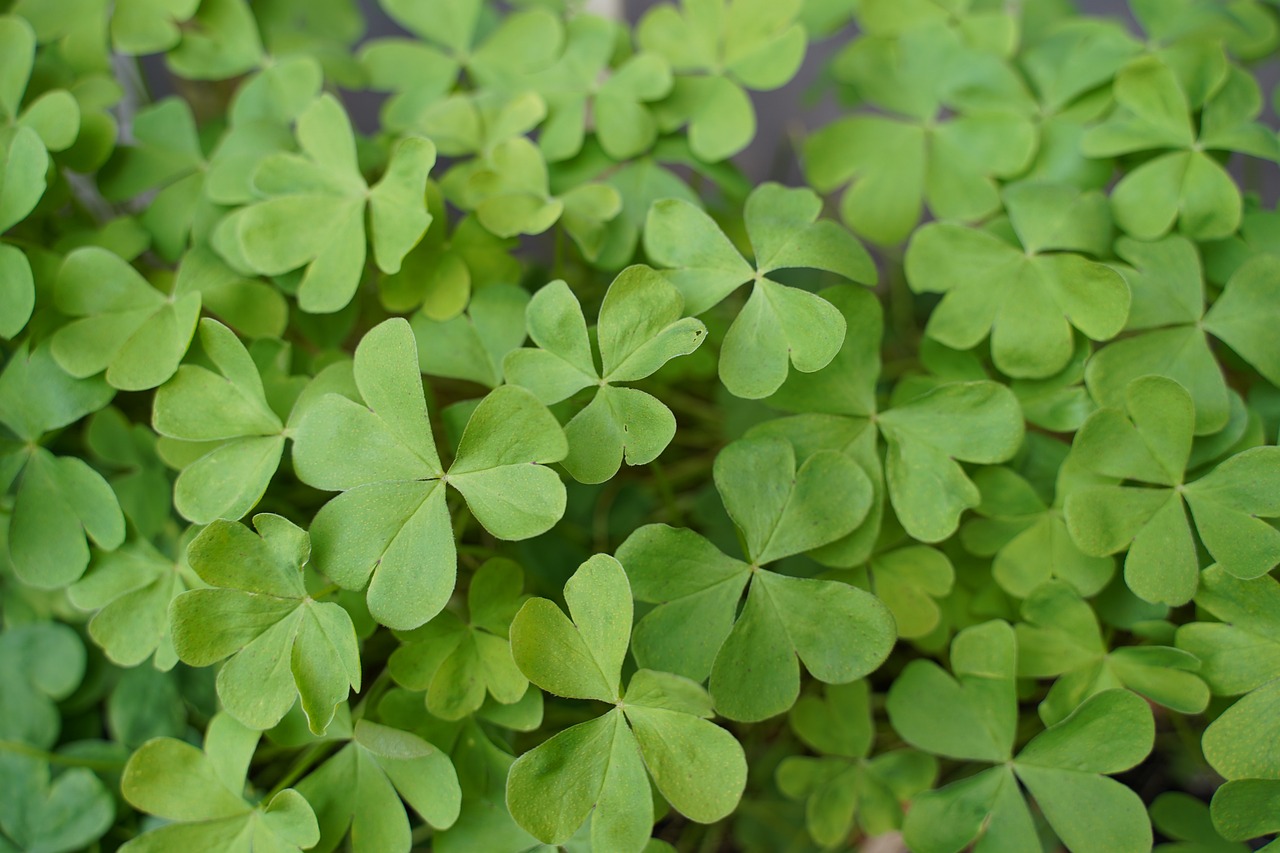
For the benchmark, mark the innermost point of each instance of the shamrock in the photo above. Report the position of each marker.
(40, 664)
(909, 580)
(313, 208)
(973, 715)
(1028, 295)
(360, 789)
(390, 527)
(640, 183)
(149, 26)
(37, 813)
(475, 123)
(1168, 313)
(844, 785)
(473, 345)
(130, 590)
(166, 156)
(1246, 808)
(1241, 657)
(1028, 537)
(581, 84)
(1185, 183)
(123, 325)
(259, 121)
(719, 50)
(439, 275)
(957, 122)
(1060, 638)
(223, 433)
(639, 330)
(202, 793)
(457, 662)
(778, 324)
(509, 190)
(840, 632)
(598, 768)
(1149, 443)
(459, 36)
(280, 643)
(219, 41)
(927, 436)
(59, 500)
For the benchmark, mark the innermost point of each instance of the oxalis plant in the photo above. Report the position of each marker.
(425, 426)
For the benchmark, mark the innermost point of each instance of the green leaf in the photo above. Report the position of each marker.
(640, 329)
(60, 504)
(359, 789)
(473, 345)
(281, 644)
(389, 528)
(313, 213)
(229, 409)
(779, 325)
(37, 396)
(124, 326)
(201, 793)
(70, 812)
(131, 589)
(1027, 301)
(928, 437)
(457, 662)
(598, 767)
(40, 664)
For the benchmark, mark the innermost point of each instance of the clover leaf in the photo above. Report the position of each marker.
(956, 123)
(313, 209)
(510, 192)
(360, 788)
(460, 36)
(130, 590)
(226, 436)
(1241, 657)
(1186, 820)
(123, 325)
(456, 661)
(718, 51)
(439, 275)
(59, 500)
(839, 631)
(166, 156)
(53, 115)
(390, 527)
(844, 785)
(909, 580)
(1028, 297)
(582, 84)
(68, 813)
(1060, 638)
(149, 26)
(639, 330)
(927, 437)
(1246, 808)
(1148, 443)
(279, 643)
(473, 345)
(202, 794)
(1185, 183)
(972, 716)
(778, 325)
(660, 728)
(1029, 538)
(40, 664)
(1168, 313)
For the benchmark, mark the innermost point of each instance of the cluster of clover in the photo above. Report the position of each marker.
(1029, 549)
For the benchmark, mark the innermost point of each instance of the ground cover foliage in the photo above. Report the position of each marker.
(516, 474)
